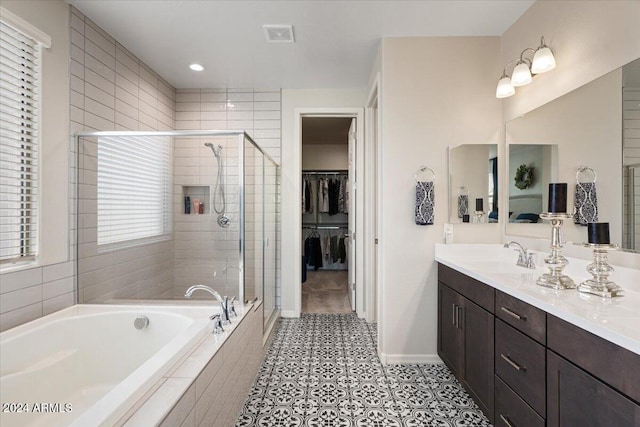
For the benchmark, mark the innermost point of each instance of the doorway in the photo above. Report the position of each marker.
(328, 214)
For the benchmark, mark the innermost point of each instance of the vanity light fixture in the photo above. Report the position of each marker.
(525, 68)
(196, 67)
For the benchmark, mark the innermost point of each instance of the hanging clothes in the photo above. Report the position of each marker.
(325, 249)
(334, 248)
(307, 204)
(323, 195)
(307, 196)
(313, 252)
(342, 250)
(341, 194)
(334, 190)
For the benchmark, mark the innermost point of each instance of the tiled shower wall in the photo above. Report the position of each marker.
(202, 247)
(631, 156)
(111, 89)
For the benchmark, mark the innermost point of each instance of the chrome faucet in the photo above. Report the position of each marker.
(224, 301)
(525, 258)
(217, 324)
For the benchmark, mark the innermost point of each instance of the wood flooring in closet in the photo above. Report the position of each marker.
(326, 292)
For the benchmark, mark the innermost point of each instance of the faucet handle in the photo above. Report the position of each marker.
(529, 261)
(232, 308)
(522, 257)
(217, 324)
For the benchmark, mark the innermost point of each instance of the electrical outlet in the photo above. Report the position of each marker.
(448, 233)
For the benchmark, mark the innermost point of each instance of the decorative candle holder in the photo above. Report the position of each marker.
(600, 269)
(555, 261)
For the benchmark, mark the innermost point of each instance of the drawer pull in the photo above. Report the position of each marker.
(454, 318)
(506, 420)
(512, 363)
(513, 314)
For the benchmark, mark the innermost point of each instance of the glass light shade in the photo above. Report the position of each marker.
(521, 75)
(505, 89)
(543, 61)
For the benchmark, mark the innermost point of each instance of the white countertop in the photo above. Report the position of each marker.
(614, 319)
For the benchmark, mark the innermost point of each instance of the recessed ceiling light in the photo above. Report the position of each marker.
(196, 67)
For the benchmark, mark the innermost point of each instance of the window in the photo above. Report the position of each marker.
(19, 119)
(134, 190)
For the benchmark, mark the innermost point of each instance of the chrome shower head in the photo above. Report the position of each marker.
(216, 151)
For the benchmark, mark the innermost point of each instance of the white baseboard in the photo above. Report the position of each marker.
(409, 359)
(291, 314)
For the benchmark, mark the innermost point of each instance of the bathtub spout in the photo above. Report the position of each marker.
(224, 301)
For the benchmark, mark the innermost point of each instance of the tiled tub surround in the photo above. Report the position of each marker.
(35, 292)
(206, 387)
(114, 375)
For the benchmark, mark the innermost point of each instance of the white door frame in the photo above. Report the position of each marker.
(372, 272)
(296, 170)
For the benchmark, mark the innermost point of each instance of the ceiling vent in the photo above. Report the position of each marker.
(278, 33)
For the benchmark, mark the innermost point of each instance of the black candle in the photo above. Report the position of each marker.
(598, 233)
(465, 218)
(479, 205)
(558, 197)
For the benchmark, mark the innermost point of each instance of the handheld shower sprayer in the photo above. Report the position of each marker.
(219, 202)
(216, 150)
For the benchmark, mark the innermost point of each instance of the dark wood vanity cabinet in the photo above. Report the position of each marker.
(576, 398)
(590, 381)
(465, 335)
(525, 367)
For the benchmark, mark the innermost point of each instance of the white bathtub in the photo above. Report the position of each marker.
(88, 364)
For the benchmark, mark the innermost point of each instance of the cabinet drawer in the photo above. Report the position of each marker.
(476, 291)
(520, 363)
(524, 317)
(512, 411)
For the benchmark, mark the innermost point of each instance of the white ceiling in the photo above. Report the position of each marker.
(336, 41)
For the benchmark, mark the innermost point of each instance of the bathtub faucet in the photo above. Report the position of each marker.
(224, 301)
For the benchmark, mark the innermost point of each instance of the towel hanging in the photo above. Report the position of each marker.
(586, 200)
(463, 202)
(425, 208)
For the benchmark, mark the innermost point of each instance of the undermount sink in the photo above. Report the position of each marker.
(495, 266)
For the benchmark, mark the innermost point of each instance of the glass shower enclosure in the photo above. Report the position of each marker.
(158, 212)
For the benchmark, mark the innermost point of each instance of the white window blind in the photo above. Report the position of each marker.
(19, 95)
(134, 189)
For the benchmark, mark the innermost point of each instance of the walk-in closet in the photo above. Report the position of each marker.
(326, 189)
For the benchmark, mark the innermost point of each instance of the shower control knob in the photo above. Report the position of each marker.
(223, 220)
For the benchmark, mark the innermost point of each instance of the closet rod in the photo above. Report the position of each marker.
(325, 227)
(335, 172)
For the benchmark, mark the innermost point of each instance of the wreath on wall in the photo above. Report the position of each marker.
(524, 177)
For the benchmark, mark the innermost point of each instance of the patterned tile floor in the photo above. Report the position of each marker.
(322, 370)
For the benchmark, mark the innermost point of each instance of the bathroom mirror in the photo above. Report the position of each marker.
(531, 168)
(473, 174)
(597, 126)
